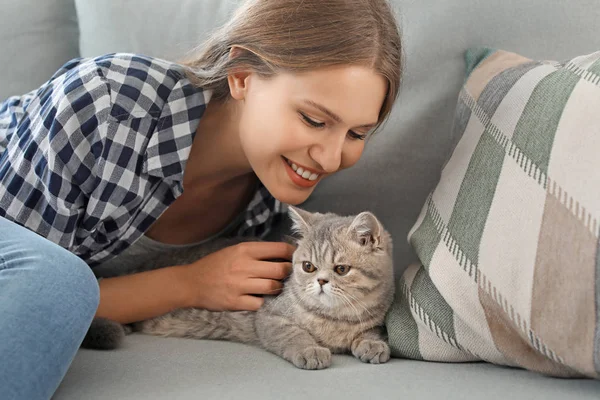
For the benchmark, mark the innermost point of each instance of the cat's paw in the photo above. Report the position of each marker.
(315, 357)
(371, 351)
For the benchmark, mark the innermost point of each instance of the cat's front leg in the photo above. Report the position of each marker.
(370, 347)
(280, 336)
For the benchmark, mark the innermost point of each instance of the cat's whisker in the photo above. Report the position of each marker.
(342, 296)
(337, 291)
(359, 302)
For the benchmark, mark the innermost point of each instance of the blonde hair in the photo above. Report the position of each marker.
(301, 35)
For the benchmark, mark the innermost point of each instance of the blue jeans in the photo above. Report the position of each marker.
(48, 297)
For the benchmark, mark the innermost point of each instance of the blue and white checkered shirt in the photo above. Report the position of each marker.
(93, 157)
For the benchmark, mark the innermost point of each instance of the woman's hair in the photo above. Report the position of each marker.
(302, 35)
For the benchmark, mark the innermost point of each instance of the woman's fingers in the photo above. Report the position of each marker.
(249, 303)
(268, 250)
(269, 270)
(263, 286)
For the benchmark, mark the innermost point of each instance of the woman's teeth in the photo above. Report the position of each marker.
(305, 174)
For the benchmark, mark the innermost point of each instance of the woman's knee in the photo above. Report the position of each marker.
(45, 267)
(72, 282)
(78, 284)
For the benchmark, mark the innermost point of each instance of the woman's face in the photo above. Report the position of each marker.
(313, 124)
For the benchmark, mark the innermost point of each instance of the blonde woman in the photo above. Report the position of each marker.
(124, 150)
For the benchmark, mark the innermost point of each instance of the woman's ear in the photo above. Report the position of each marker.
(238, 77)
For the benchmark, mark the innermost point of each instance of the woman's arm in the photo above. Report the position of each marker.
(227, 279)
(141, 296)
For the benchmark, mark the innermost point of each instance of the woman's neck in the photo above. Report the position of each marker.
(216, 157)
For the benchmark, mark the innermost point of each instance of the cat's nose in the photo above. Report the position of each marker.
(322, 281)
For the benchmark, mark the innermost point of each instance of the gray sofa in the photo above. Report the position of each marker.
(399, 168)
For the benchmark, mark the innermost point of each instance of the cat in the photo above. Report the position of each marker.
(334, 301)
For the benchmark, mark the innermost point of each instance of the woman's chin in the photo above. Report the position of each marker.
(291, 196)
(287, 190)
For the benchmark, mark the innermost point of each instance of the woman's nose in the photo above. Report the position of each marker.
(328, 152)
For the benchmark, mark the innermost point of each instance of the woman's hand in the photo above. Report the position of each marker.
(229, 278)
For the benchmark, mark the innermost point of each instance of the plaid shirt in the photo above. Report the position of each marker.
(95, 155)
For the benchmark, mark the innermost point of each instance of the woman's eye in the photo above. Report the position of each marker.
(342, 269)
(311, 121)
(308, 267)
(351, 134)
(356, 136)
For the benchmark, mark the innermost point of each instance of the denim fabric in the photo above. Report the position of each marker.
(48, 297)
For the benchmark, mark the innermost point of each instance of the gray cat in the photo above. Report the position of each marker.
(334, 301)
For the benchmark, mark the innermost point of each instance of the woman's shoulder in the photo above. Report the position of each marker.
(151, 70)
(129, 64)
(138, 85)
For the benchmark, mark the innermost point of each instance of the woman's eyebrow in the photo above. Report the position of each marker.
(333, 115)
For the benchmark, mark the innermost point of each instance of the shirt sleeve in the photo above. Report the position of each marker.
(48, 169)
(91, 158)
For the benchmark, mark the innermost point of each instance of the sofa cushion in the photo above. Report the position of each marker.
(36, 37)
(508, 240)
(149, 367)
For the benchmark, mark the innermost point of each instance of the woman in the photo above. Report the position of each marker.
(125, 149)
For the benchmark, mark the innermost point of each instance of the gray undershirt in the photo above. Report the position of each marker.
(145, 249)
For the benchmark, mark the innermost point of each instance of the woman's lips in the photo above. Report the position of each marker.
(297, 179)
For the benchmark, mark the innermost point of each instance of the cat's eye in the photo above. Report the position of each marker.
(308, 267)
(342, 269)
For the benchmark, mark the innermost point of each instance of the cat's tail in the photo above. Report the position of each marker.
(235, 326)
(104, 334)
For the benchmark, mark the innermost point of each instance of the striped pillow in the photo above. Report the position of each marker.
(509, 268)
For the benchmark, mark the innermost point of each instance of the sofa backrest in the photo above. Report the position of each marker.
(402, 164)
(36, 38)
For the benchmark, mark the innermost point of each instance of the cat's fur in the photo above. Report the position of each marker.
(308, 321)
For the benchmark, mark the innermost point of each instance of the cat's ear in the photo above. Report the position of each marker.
(368, 229)
(301, 220)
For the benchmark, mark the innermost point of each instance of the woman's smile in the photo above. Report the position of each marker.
(299, 175)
